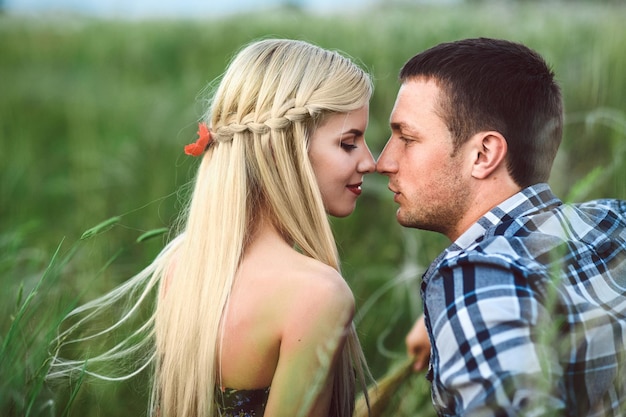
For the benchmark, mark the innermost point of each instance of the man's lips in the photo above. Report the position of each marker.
(355, 188)
(396, 194)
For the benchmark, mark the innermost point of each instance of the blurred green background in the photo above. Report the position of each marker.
(94, 115)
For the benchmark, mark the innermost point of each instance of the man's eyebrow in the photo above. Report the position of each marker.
(401, 126)
(396, 125)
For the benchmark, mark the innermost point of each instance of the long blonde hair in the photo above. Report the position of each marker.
(269, 101)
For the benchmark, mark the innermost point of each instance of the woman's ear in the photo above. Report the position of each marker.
(490, 150)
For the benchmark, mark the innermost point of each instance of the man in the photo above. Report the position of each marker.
(526, 309)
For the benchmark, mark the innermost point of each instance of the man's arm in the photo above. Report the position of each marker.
(418, 345)
(487, 331)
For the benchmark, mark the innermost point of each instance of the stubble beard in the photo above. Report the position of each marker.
(439, 221)
(442, 214)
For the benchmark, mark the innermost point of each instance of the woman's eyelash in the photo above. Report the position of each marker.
(346, 145)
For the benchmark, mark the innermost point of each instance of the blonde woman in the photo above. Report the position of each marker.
(252, 315)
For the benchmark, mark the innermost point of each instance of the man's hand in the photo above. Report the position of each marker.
(418, 345)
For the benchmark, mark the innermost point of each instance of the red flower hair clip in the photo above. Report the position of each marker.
(199, 146)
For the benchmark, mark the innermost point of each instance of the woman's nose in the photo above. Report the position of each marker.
(367, 165)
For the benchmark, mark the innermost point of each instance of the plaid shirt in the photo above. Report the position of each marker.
(527, 311)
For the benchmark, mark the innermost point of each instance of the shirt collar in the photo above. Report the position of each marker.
(529, 200)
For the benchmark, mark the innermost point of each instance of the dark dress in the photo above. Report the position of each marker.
(241, 403)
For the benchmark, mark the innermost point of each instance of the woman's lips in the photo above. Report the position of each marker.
(355, 188)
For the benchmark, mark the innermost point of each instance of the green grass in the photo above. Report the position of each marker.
(94, 114)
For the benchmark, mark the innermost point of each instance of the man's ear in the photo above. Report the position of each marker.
(490, 150)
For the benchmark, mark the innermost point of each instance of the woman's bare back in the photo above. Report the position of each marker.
(285, 310)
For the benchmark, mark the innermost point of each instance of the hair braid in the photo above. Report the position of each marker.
(292, 115)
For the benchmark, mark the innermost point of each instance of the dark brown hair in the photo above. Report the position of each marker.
(492, 84)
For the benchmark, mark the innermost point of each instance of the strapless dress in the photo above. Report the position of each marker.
(241, 403)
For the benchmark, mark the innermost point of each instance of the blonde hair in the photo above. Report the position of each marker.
(269, 101)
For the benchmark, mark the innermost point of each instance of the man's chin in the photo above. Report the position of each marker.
(414, 223)
(406, 222)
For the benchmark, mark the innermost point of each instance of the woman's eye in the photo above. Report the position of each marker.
(348, 145)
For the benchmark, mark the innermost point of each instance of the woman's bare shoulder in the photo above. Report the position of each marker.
(320, 284)
(320, 296)
(292, 287)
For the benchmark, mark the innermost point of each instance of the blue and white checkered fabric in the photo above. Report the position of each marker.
(527, 311)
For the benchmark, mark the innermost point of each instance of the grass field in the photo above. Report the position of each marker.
(94, 114)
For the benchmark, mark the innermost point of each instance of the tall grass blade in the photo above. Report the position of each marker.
(101, 227)
(381, 393)
(79, 382)
(20, 313)
(152, 234)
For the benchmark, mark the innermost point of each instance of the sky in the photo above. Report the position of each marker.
(141, 9)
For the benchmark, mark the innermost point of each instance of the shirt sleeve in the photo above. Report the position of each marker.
(495, 350)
